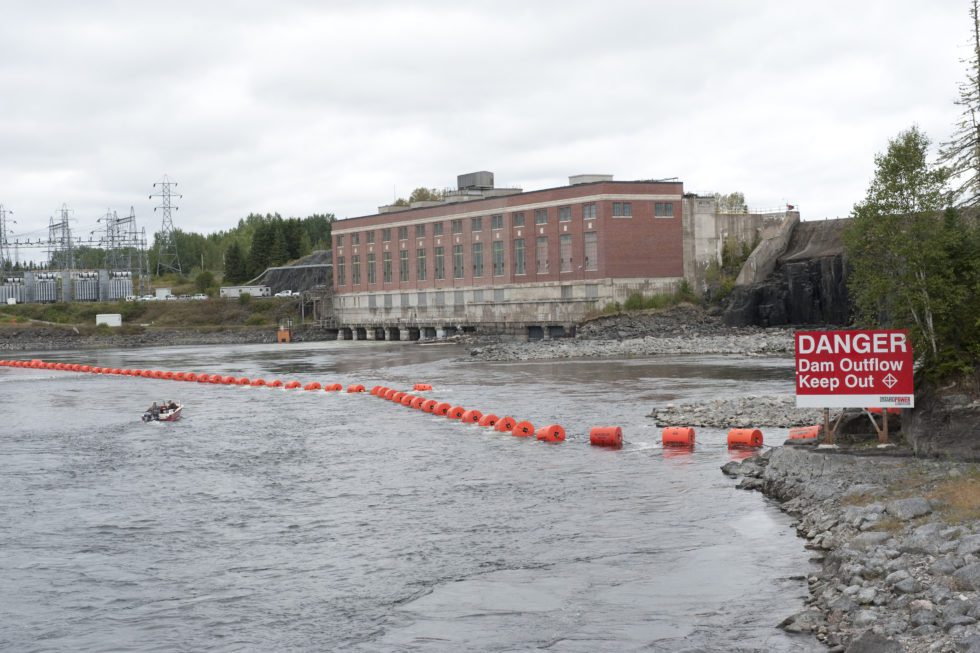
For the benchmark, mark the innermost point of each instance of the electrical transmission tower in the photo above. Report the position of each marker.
(167, 258)
(61, 252)
(111, 241)
(5, 261)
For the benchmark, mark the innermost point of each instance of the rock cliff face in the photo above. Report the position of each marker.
(945, 425)
(807, 286)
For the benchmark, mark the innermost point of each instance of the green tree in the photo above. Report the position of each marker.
(962, 152)
(899, 246)
(204, 281)
(279, 253)
(235, 271)
(733, 202)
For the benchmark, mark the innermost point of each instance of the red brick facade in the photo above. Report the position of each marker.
(638, 245)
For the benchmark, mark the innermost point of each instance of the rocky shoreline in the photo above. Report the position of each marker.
(896, 541)
(739, 412)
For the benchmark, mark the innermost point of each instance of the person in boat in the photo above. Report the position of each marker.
(154, 411)
(171, 405)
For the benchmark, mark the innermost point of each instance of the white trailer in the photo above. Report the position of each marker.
(238, 291)
(109, 319)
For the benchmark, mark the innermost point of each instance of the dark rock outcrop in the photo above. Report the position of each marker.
(808, 285)
(944, 425)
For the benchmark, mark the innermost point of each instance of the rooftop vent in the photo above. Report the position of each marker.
(482, 180)
(588, 179)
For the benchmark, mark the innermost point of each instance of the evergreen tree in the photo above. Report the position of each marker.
(235, 271)
(279, 253)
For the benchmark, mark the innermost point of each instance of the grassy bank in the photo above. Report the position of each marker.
(169, 314)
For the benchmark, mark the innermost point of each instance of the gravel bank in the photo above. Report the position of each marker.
(739, 412)
(897, 571)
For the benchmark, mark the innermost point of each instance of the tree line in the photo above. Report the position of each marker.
(913, 244)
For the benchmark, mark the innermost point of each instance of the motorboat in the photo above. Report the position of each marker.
(165, 414)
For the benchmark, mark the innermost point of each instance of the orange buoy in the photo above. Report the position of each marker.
(244, 381)
(522, 429)
(258, 383)
(606, 436)
(442, 409)
(505, 424)
(355, 388)
(472, 416)
(389, 393)
(428, 405)
(551, 433)
(407, 399)
(488, 420)
(421, 387)
(456, 412)
(879, 411)
(417, 402)
(333, 387)
(275, 383)
(292, 385)
(313, 385)
(397, 397)
(374, 390)
(177, 376)
(228, 380)
(83, 368)
(75, 367)
(190, 376)
(168, 375)
(147, 374)
(744, 438)
(804, 432)
(677, 436)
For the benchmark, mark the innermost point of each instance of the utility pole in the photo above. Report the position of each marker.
(167, 257)
(5, 260)
(59, 240)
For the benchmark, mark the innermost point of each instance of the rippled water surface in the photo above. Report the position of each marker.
(274, 520)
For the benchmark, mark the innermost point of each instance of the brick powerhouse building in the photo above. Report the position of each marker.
(502, 260)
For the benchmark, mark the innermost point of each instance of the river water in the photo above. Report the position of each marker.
(273, 520)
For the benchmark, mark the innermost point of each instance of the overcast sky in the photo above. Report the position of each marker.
(337, 107)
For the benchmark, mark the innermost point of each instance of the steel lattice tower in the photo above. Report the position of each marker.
(59, 240)
(5, 260)
(167, 257)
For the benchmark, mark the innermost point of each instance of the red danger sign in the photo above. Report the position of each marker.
(845, 369)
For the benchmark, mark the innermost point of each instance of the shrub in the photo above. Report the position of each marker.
(244, 299)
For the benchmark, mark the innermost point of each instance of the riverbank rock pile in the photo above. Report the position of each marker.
(899, 566)
(739, 412)
(680, 320)
(762, 343)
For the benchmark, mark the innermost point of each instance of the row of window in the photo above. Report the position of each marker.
(498, 262)
(456, 297)
(619, 210)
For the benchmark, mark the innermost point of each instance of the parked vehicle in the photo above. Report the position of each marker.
(285, 293)
(199, 296)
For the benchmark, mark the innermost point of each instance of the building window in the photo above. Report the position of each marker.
(591, 251)
(540, 216)
(588, 211)
(519, 267)
(564, 213)
(403, 300)
(497, 221)
(499, 294)
(476, 224)
(372, 301)
(355, 270)
(477, 296)
(440, 263)
(420, 270)
(457, 226)
(622, 210)
(422, 299)
(663, 209)
(440, 298)
(517, 219)
(372, 271)
(592, 291)
(386, 266)
(566, 292)
(458, 298)
(339, 240)
(498, 258)
(565, 251)
(387, 301)
(437, 228)
(541, 254)
(419, 230)
(403, 265)
(370, 237)
(386, 235)
(402, 233)
(355, 239)
(477, 259)
(457, 261)
(341, 271)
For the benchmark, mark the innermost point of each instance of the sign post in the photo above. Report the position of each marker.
(854, 369)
